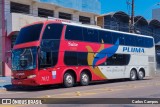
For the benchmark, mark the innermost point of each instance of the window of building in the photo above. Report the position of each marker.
(65, 16)
(74, 33)
(19, 8)
(45, 13)
(85, 20)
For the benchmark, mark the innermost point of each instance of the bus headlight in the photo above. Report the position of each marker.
(31, 76)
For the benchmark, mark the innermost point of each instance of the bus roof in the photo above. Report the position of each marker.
(99, 28)
(68, 22)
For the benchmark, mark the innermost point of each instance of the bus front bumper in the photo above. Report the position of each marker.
(24, 82)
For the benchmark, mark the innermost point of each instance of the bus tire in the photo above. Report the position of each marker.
(133, 75)
(68, 80)
(84, 79)
(140, 75)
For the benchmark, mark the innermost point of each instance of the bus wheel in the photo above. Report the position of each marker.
(140, 75)
(84, 79)
(68, 80)
(133, 75)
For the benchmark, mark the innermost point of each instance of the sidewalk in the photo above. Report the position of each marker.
(5, 82)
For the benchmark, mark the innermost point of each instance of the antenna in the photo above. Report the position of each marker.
(132, 18)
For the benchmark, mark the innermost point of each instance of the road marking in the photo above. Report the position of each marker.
(101, 90)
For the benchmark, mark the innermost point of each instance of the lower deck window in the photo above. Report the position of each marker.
(81, 59)
(48, 59)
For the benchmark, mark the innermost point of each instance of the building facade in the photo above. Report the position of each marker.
(93, 6)
(18, 13)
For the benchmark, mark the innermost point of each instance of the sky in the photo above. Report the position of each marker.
(142, 7)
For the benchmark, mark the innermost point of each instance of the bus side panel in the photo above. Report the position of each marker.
(137, 62)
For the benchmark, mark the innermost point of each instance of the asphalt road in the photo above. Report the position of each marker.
(147, 88)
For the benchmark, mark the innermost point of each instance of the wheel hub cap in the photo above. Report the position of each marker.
(69, 79)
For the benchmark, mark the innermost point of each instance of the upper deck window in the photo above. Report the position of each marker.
(53, 31)
(29, 34)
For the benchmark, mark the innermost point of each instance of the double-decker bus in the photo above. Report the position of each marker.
(61, 52)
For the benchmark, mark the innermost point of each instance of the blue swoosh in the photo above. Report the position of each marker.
(108, 52)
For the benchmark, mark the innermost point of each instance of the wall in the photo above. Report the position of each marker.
(0, 37)
(93, 6)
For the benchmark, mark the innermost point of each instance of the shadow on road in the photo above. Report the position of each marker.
(51, 87)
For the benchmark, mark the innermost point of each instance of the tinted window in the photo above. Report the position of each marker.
(48, 59)
(122, 59)
(74, 33)
(90, 35)
(105, 36)
(119, 36)
(45, 59)
(50, 45)
(140, 41)
(76, 58)
(149, 42)
(130, 40)
(53, 31)
(29, 34)
(82, 58)
(118, 59)
(70, 58)
(54, 58)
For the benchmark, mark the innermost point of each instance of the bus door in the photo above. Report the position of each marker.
(45, 70)
(49, 49)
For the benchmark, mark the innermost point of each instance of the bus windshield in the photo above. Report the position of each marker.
(29, 34)
(24, 59)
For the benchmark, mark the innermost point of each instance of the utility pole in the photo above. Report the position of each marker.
(132, 18)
